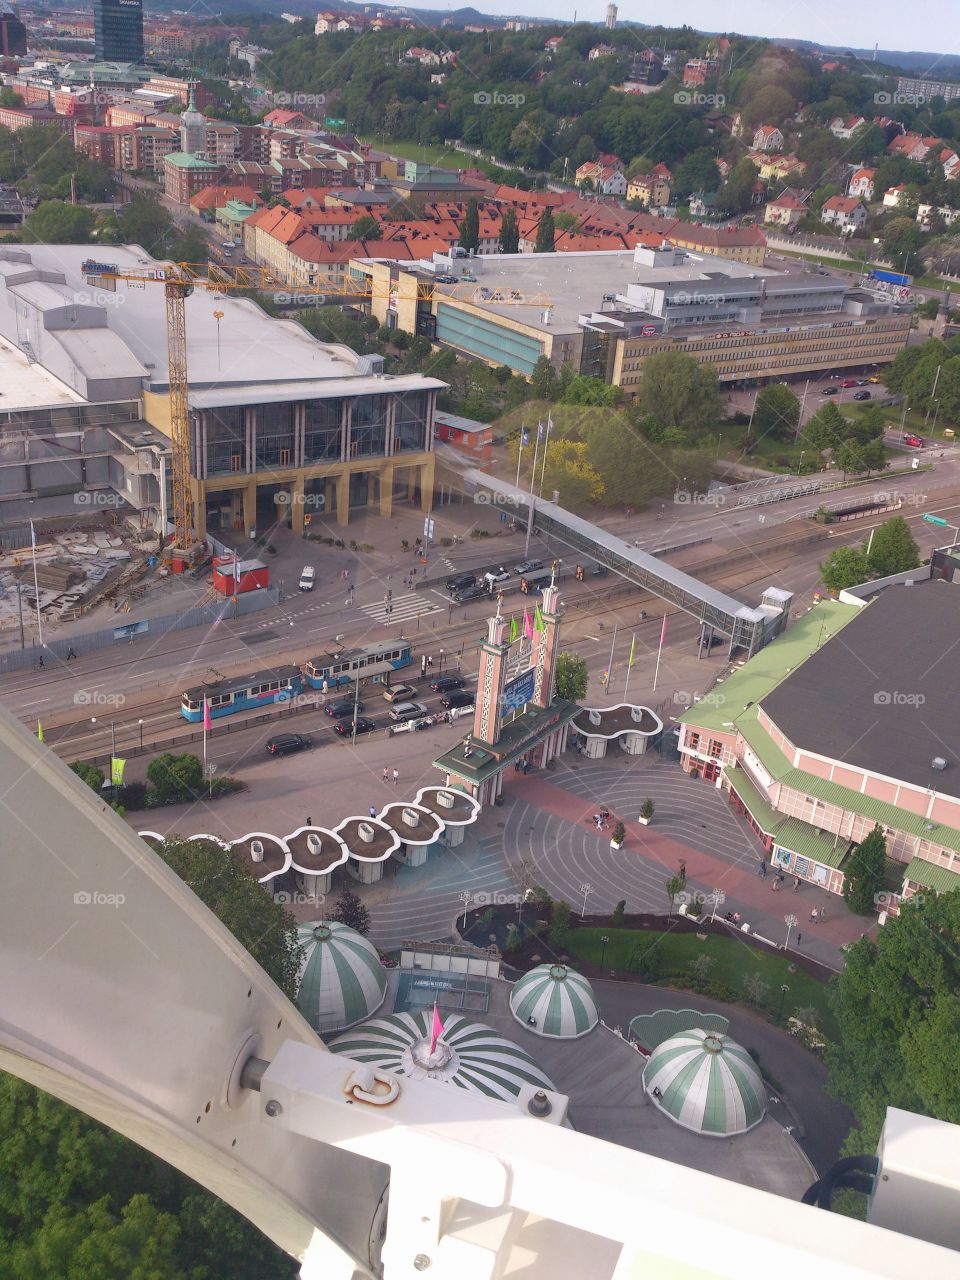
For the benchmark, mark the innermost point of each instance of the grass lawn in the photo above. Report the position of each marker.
(735, 960)
(443, 157)
(770, 453)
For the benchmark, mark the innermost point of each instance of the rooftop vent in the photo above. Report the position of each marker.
(938, 763)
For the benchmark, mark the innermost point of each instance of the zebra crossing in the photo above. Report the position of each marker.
(405, 607)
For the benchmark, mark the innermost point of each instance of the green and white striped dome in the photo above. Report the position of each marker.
(341, 978)
(553, 1000)
(468, 1054)
(706, 1082)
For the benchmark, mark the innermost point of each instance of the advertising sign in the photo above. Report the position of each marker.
(518, 692)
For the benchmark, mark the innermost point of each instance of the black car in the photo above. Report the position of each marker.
(458, 698)
(346, 727)
(342, 707)
(476, 592)
(528, 566)
(829, 391)
(460, 581)
(444, 684)
(861, 395)
(284, 743)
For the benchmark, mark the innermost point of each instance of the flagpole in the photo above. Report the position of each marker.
(536, 451)
(519, 456)
(663, 632)
(546, 446)
(613, 644)
(629, 666)
(36, 588)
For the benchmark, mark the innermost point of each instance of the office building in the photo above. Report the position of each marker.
(118, 30)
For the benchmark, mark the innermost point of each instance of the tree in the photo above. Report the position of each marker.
(755, 989)
(146, 222)
(366, 227)
(175, 778)
(559, 931)
(849, 457)
(89, 773)
(863, 873)
(545, 233)
(901, 240)
(826, 429)
(10, 98)
(585, 390)
(571, 676)
(893, 549)
(674, 886)
(543, 380)
(619, 912)
(470, 227)
(351, 911)
(675, 394)
(701, 966)
(509, 232)
(870, 425)
(776, 413)
(225, 883)
(56, 222)
(736, 194)
(845, 567)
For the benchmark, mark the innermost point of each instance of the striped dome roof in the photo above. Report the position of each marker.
(341, 978)
(553, 1000)
(706, 1082)
(468, 1055)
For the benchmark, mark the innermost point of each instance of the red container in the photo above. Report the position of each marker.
(229, 578)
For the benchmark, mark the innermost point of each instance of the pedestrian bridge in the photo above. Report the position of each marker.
(747, 628)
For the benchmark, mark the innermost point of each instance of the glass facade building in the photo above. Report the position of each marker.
(118, 30)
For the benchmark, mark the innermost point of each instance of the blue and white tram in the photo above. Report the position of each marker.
(242, 693)
(334, 669)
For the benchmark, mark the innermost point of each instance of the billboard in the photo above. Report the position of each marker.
(519, 691)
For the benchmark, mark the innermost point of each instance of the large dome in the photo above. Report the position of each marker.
(468, 1054)
(706, 1082)
(553, 1000)
(342, 981)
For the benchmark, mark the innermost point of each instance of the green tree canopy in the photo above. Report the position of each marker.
(826, 429)
(366, 227)
(776, 413)
(349, 910)
(571, 675)
(90, 774)
(470, 227)
(675, 393)
(545, 233)
(892, 549)
(509, 232)
(173, 778)
(863, 873)
(56, 222)
(845, 567)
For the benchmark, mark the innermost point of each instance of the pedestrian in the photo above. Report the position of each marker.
(373, 811)
(40, 661)
(799, 936)
(813, 915)
(822, 916)
(796, 884)
(780, 879)
(389, 594)
(526, 766)
(396, 776)
(70, 654)
(763, 870)
(386, 775)
(736, 917)
(683, 869)
(309, 821)
(430, 661)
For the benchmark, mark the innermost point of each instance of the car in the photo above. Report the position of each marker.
(495, 576)
(461, 580)
(342, 707)
(849, 382)
(861, 395)
(829, 391)
(285, 743)
(443, 684)
(347, 728)
(914, 442)
(528, 566)
(399, 693)
(863, 382)
(876, 378)
(476, 592)
(308, 577)
(457, 698)
(407, 710)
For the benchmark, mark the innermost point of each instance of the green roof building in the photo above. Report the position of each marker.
(555, 1001)
(707, 1083)
(342, 981)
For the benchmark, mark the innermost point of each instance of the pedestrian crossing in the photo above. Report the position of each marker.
(405, 606)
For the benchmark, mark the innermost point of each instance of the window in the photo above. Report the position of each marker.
(693, 741)
(410, 422)
(274, 434)
(368, 427)
(226, 444)
(321, 437)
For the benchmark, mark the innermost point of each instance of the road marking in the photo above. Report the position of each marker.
(405, 607)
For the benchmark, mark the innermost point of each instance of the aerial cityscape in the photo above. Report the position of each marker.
(479, 535)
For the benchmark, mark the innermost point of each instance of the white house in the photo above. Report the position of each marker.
(926, 212)
(846, 126)
(845, 212)
(861, 184)
(611, 182)
(785, 211)
(768, 138)
(891, 197)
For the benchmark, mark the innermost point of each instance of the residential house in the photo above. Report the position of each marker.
(611, 182)
(786, 211)
(425, 57)
(697, 71)
(861, 184)
(768, 138)
(205, 202)
(553, 44)
(926, 213)
(736, 125)
(846, 126)
(281, 118)
(845, 212)
(325, 23)
(703, 204)
(777, 168)
(593, 170)
(651, 190)
(601, 51)
(893, 195)
(911, 145)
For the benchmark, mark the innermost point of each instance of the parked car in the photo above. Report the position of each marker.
(528, 566)
(407, 710)
(476, 592)
(347, 728)
(861, 395)
(342, 707)
(491, 579)
(914, 442)
(862, 382)
(399, 693)
(849, 382)
(876, 378)
(284, 743)
(443, 684)
(461, 580)
(829, 391)
(308, 577)
(457, 698)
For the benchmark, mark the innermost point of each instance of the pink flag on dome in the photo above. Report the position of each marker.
(437, 1030)
(527, 624)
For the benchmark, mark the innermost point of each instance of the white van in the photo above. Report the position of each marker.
(308, 576)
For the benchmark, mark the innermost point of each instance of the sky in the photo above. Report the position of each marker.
(859, 23)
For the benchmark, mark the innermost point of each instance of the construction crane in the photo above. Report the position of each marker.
(179, 279)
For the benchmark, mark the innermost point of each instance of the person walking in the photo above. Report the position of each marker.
(683, 870)
(396, 777)
(822, 916)
(798, 937)
(386, 775)
(796, 884)
(373, 811)
(813, 915)
(70, 653)
(429, 661)
(40, 662)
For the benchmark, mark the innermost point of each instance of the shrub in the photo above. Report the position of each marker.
(133, 795)
(175, 778)
(646, 960)
(619, 833)
(646, 809)
(619, 911)
(559, 930)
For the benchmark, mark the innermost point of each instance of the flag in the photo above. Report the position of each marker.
(436, 1031)
(527, 624)
(549, 423)
(33, 535)
(514, 630)
(39, 730)
(539, 430)
(117, 767)
(537, 619)
(632, 646)
(524, 439)
(206, 715)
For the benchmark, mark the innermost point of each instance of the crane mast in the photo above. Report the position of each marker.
(176, 292)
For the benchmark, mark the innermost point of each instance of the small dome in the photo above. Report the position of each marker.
(706, 1082)
(553, 1000)
(468, 1054)
(342, 981)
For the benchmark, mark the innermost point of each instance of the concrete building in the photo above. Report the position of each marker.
(184, 175)
(273, 411)
(843, 723)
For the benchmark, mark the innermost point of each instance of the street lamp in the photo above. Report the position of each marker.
(140, 723)
(464, 896)
(441, 662)
(800, 463)
(791, 922)
(604, 939)
(585, 889)
(783, 992)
